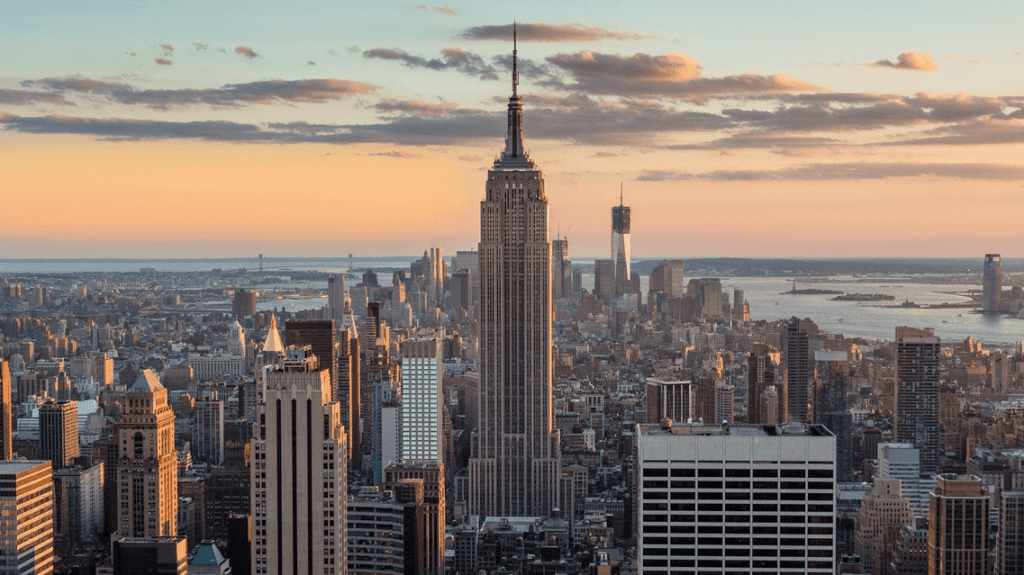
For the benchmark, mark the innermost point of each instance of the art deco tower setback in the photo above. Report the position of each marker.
(147, 467)
(515, 463)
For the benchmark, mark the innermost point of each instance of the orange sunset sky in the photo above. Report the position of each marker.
(320, 129)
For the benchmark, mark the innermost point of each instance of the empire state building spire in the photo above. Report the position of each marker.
(514, 156)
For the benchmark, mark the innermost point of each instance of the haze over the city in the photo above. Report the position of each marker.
(299, 128)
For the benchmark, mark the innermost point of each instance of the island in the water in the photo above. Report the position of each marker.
(864, 297)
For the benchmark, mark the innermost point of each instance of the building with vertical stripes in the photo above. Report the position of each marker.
(515, 460)
(298, 472)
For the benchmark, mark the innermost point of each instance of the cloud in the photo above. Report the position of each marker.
(672, 75)
(353, 48)
(640, 66)
(792, 124)
(229, 95)
(574, 32)
(948, 58)
(592, 123)
(973, 61)
(471, 158)
(438, 9)
(535, 71)
(396, 154)
(25, 98)
(850, 171)
(921, 61)
(132, 54)
(163, 61)
(123, 129)
(983, 131)
(311, 63)
(837, 113)
(167, 48)
(451, 59)
(200, 46)
(762, 140)
(246, 51)
(415, 107)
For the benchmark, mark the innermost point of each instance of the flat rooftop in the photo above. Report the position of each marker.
(789, 429)
(16, 467)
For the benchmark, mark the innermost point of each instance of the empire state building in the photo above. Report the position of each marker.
(515, 461)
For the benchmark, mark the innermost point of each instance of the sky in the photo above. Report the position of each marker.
(144, 129)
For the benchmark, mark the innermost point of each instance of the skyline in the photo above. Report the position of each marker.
(836, 142)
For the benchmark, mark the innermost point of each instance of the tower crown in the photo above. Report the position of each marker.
(514, 157)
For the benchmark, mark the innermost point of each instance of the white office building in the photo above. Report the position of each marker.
(422, 400)
(903, 461)
(735, 499)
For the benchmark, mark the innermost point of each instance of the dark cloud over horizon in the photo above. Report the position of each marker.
(849, 171)
(540, 32)
(229, 95)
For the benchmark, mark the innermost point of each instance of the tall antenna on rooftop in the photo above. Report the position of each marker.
(515, 63)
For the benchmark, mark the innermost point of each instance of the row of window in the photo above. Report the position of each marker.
(739, 484)
(741, 472)
(715, 546)
(678, 524)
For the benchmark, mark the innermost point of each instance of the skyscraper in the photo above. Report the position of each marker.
(760, 376)
(6, 416)
(992, 283)
(26, 505)
(882, 507)
(244, 304)
(667, 277)
(208, 427)
(903, 461)
(1010, 545)
(147, 465)
(427, 478)
(349, 387)
(422, 400)
(604, 279)
(958, 526)
(735, 499)
(917, 393)
(561, 269)
(320, 335)
(58, 432)
(298, 482)
(796, 371)
(515, 463)
(830, 407)
(672, 399)
(621, 247)
(336, 297)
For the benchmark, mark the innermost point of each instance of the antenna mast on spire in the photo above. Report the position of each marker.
(515, 63)
(620, 194)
